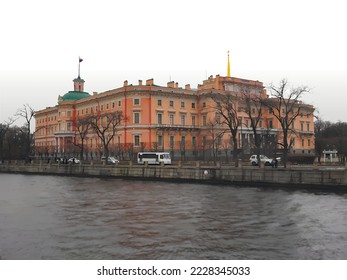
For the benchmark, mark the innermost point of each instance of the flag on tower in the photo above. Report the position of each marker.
(80, 59)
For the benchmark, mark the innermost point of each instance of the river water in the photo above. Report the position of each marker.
(52, 217)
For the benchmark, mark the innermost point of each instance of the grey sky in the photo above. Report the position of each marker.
(303, 41)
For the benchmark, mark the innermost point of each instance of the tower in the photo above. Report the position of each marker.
(78, 82)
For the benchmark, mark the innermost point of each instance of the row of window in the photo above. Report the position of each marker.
(302, 143)
(47, 119)
(106, 106)
(172, 103)
(137, 119)
(136, 102)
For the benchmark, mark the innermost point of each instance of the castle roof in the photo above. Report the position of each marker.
(75, 95)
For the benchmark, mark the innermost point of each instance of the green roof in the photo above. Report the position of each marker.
(75, 95)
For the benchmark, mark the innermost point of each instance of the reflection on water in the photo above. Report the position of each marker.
(48, 217)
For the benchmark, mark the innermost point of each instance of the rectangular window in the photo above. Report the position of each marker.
(112, 104)
(203, 104)
(270, 124)
(160, 119)
(160, 140)
(193, 120)
(218, 120)
(183, 119)
(194, 142)
(171, 103)
(183, 104)
(102, 108)
(308, 126)
(137, 140)
(309, 142)
(119, 103)
(183, 141)
(302, 142)
(204, 120)
(172, 141)
(193, 105)
(137, 118)
(159, 103)
(107, 106)
(172, 117)
(136, 101)
(301, 126)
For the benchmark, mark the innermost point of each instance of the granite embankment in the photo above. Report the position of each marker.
(225, 174)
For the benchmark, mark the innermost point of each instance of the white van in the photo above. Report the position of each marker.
(153, 157)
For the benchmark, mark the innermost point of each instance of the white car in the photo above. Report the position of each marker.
(73, 160)
(264, 159)
(112, 160)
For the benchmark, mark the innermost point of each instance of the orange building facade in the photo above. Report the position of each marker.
(181, 120)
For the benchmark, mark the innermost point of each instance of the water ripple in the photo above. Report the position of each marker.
(47, 217)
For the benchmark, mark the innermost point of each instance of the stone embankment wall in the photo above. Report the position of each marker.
(297, 176)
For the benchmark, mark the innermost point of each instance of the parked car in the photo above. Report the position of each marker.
(112, 160)
(264, 159)
(73, 160)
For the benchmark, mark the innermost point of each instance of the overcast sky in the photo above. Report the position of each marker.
(40, 42)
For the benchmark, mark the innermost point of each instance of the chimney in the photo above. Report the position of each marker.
(199, 87)
(187, 86)
(125, 84)
(140, 82)
(176, 85)
(94, 93)
(150, 82)
(171, 84)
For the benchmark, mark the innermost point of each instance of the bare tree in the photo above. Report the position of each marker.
(105, 126)
(83, 124)
(286, 107)
(227, 108)
(27, 113)
(253, 108)
(4, 127)
(216, 134)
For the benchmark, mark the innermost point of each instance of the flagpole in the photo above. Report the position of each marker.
(79, 67)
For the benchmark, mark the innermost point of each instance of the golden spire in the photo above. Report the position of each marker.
(228, 71)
